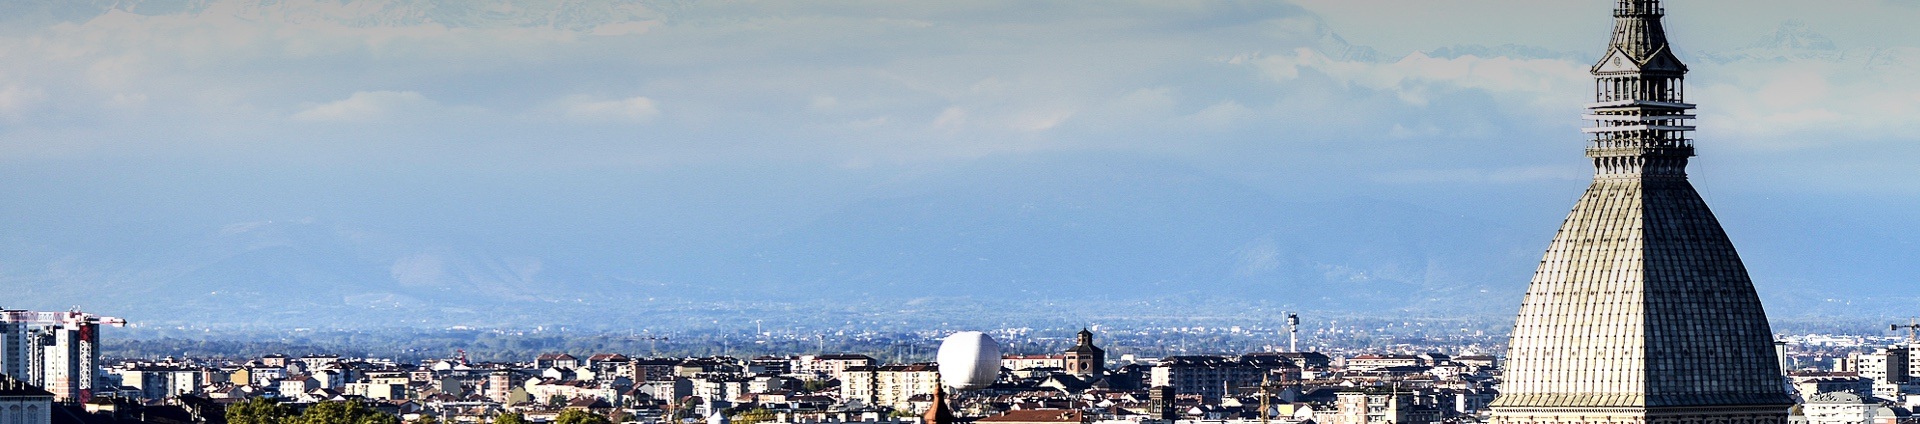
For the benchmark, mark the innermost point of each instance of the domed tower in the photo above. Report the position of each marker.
(1085, 359)
(1641, 311)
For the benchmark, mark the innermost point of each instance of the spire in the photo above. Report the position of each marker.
(1086, 337)
(939, 413)
(1638, 33)
(1640, 114)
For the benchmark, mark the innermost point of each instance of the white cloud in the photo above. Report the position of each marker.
(632, 109)
(1415, 76)
(1040, 120)
(1482, 176)
(369, 106)
(1791, 102)
(15, 99)
(950, 119)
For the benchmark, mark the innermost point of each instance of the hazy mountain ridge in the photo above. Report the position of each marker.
(1002, 228)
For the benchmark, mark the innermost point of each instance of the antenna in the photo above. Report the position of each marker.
(1293, 332)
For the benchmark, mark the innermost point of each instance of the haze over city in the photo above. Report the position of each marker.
(305, 164)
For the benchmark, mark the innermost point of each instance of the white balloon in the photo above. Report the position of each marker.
(969, 360)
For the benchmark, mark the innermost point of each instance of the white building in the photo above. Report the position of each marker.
(1844, 408)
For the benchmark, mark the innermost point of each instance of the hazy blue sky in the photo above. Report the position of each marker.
(519, 85)
(552, 130)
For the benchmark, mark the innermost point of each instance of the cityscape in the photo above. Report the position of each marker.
(1071, 301)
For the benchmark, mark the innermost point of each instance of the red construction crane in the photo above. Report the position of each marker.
(72, 317)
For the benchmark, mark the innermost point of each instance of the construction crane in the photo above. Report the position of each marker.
(1911, 326)
(67, 318)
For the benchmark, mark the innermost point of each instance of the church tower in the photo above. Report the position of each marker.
(1641, 311)
(1084, 359)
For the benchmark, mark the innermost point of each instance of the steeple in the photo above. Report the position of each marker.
(939, 413)
(1636, 27)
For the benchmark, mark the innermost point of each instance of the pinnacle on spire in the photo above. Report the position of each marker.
(939, 413)
(1637, 31)
(1626, 8)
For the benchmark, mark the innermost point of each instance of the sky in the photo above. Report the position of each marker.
(593, 132)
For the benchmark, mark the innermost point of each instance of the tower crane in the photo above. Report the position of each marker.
(67, 318)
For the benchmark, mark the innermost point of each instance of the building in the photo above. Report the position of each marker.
(1211, 377)
(556, 360)
(831, 366)
(653, 369)
(163, 381)
(1369, 362)
(1085, 359)
(1640, 310)
(1889, 365)
(1808, 384)
(1021, 362)
(1039, 416)
(1845, 408)
(890, 385)
(1380, 407)
(58, 351)
(15, 360)
(22, 403)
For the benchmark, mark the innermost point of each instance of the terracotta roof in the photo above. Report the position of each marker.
(1037, 416)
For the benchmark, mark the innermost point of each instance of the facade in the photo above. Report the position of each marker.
(1379, 407)
(1842, 408)
(160, 382)
(1889, 365)
(831, 366)
(22, 403)
(889, 385)
(1641, 311)
(1374, 362)
(1021, 362)
(1211, 377)
(14, 356)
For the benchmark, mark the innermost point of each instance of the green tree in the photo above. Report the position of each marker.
(753, 416)
(575, 416)
(510, 418)
(259, 411)
(343, 413)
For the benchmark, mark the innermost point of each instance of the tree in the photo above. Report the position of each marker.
(510, 418)
(343, 413)
(259, 411)
(753, 416)
(575, 416)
